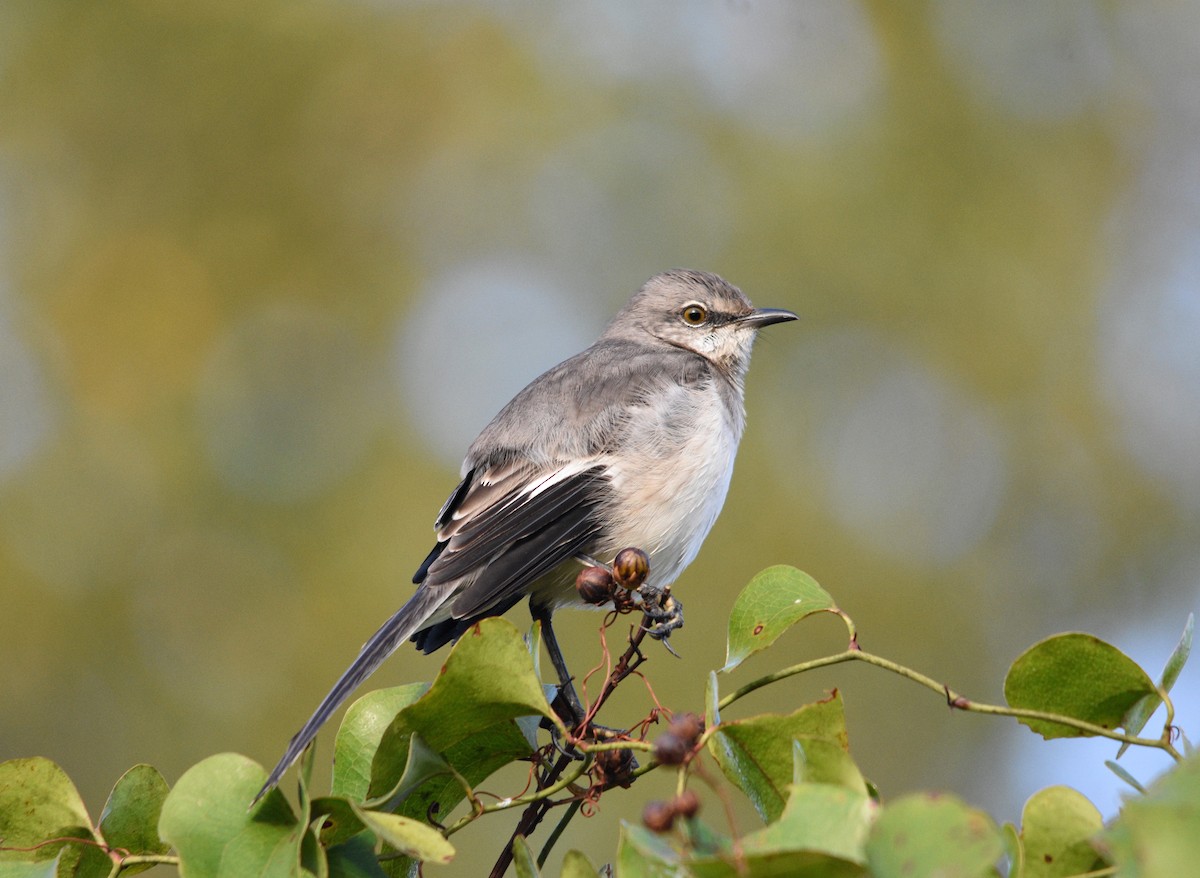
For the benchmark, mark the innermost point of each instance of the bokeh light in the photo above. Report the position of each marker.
(288, 402)
(520, 323)
(1047, 61)
(907, 461)
(26, 410)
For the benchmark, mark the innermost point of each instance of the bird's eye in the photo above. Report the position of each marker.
(694, 314)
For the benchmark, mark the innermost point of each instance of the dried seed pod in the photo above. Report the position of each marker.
(670, 749)
(631, 568)
(614, 768)
(686, 804)
(595, 585)
(688, 726)
(658, 816)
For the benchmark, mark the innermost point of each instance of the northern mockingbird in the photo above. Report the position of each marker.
(630, 443)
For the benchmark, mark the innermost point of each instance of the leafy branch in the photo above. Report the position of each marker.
(409, 762)
(1046, 687)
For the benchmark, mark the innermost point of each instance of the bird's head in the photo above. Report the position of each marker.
(698, 312)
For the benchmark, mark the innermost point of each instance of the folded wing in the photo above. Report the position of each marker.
(505, 527)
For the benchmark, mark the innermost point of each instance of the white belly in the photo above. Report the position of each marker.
(670, 483)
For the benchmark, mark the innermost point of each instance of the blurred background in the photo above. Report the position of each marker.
(266, 269)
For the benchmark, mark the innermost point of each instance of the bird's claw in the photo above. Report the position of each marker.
(666, 612)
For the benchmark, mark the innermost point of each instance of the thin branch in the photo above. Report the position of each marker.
(538, 803)
(630, 659)
(532, 816)
(571, 811)
(813, 664)
(557, 784)
(619, 744)
(953, 698)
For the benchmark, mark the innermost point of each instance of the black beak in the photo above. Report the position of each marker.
(760, 317)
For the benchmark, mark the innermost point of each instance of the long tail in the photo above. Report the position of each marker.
(382, 644)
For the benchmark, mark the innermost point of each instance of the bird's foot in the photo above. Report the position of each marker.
(624, 585)
(665, 612)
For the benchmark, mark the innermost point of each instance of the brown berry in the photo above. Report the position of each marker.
(670, 749)
(595, 585)
(658, 816)
(688, 726)
(631, 568)
(686, 804)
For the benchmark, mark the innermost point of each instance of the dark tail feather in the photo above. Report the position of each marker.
(382, 644)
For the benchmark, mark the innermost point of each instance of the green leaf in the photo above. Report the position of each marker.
(821, 834)
(712, 698)
(93, 862)
(818, 818)
(411, 837)
(1136, 718)
(312, 855)
(780, 864)
(1179, 655)
(400, 867)
(1056, 825)
(1144, 709)
(360, 733)
(1158, 835)
(820, 760)
(523, 859)
(758, 754)
(773, 601)
(1013, 850)
(1079, 676)
(474, 759)
(355, 858)
(422, 766)
(468, 715)
(530, 725)
(207, 820)
(700, 839)
(488, 677)
(130, 817)
(313, 860)
(1124, 775)
(533, 642)
(335, 820)
(48, 868)
(643, 854)
(931, 834)
(576, 865)
(39, 802)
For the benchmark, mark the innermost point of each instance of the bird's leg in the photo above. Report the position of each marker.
(566, 689)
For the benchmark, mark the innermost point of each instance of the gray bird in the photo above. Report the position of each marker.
(630, 443)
